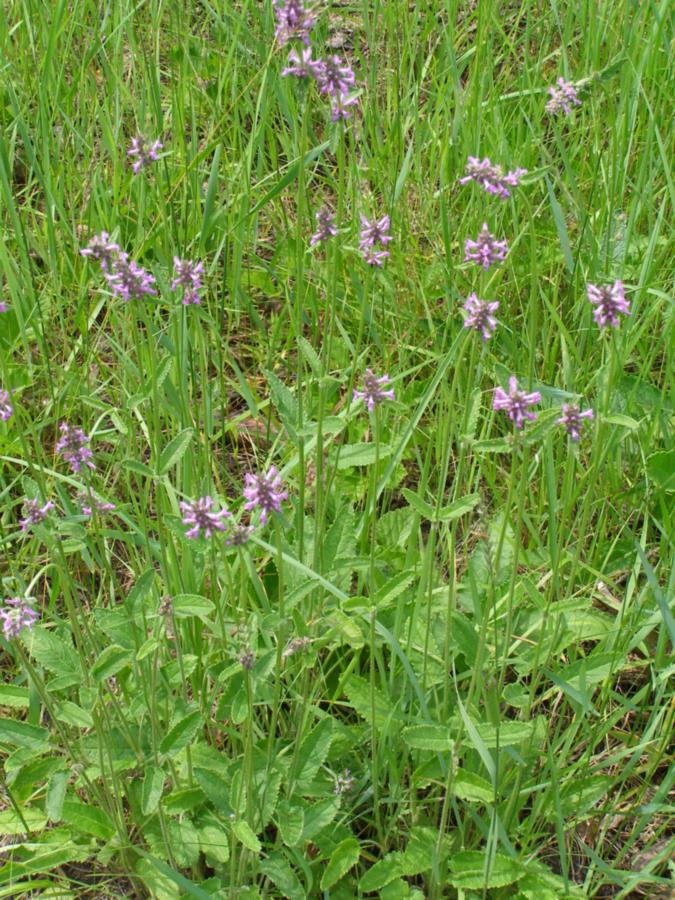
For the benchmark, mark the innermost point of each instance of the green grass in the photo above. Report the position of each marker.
(478, 627)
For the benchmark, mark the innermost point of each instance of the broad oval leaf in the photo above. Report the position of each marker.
(344, 857)
(245, 835)
(22, 734)
(469, 869)
(111, 661)
(153, 784)
(174, 450)
(181, 734)
(186, 605)
(56, 794)
(361, 455)
(427, 737)
(469, 786)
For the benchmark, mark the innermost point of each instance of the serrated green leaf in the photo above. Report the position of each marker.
(87, 818)
(318, 815)
(310, 355)
(507, 735)
(42, 860)
(187, 887)
(280, 873)
(140, 590)
(111, 661)
(382, 873)
(182, 734)
(140, 468)
(214, 842)
(361, 455)
(184, 841)
(11, 823)
(492, 445)
(153, 785)
(313, 752)
(581, 795)
(446, 513)
(290, 822)
(469, 786)
(54, 653)
(468, 870)
(147, 648)
(186, 605)
(284, 402)
(344, 857)
(561, 227)
(215, 787)
(14, 696)
(661, 470)
(399, 889)
(72, 714)
(22, 734)
(56, 794)
(419, 852)
(427, 737)
(184, 800)
(624, 421)
(174, 450)
(246, 836)
(459, 508)
(393, 589)
(358, 691)
(346, 628)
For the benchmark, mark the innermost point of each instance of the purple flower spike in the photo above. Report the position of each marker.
(335, 78)
(187, 275)
(4, 307)
(373, 393)
(100, 247)
(341, 106)
(198, 514)
(72, 445)
(372, 233)
(563, 97)
(264, 492)
(247, 659)
(34, 514)
(325, 226)
(89, 504)
(486, 250)
(16, 615)
(6, 408)
(294, 20)
(480, 316)
(515, 403)
(128, 280)
(303, 66)
(239, 535)
(609, 300)
(344, 783)
(491, 178)
(572, 419)
(375, 257)
(143, 152)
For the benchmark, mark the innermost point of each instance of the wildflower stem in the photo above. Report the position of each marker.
(372, 502)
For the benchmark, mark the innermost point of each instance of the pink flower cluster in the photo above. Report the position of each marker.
(129, 281)
(16, 614)
(492, 178)
(334, 78)
(263, 491)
